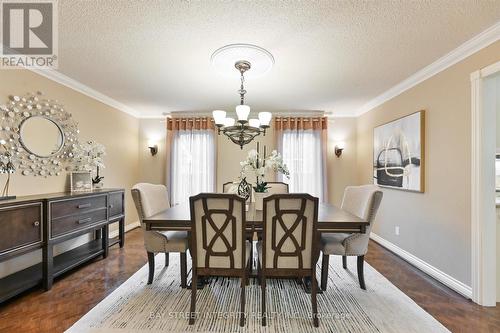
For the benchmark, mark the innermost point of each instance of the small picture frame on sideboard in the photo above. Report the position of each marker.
(80, 181)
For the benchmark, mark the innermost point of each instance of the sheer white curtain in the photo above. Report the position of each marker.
(302, 143)
(192, 164)
(302, 153)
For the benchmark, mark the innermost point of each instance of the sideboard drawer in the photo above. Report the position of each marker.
(76, 206)
(66, 224)
(115, 204)
(20, 226)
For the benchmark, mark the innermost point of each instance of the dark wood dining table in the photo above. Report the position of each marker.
(331, 219)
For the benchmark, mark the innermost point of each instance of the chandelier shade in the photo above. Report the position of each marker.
(242, 111)
(219, 117)
(265, 118)
(254, 123)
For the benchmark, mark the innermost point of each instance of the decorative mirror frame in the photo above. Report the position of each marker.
(25, 146)
(16, 111)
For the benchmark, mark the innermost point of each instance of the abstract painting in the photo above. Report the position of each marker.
(398, 153)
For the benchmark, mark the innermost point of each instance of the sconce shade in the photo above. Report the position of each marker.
(153, 150)
(219, 116)
(265, 118)
(242, 111)
(339, 147)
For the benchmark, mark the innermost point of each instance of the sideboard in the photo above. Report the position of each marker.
(37, 222)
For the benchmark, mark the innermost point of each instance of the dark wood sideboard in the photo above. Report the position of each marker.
(36, 222)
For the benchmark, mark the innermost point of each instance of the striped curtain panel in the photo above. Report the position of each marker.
(191, 157)
(302, 141)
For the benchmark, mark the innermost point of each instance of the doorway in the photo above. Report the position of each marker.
(485, 97)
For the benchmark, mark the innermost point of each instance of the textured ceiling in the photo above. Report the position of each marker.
(154, 56)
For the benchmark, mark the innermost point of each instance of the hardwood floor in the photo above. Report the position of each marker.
(77, 292)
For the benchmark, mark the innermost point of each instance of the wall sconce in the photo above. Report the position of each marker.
(339, 147)
(153, 147)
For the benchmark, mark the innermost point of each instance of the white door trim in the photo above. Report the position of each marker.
(483, 222)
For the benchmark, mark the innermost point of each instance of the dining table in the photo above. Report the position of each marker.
(331, 219)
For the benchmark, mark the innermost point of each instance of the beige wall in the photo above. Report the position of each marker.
(152, 169)
(435, 225)
(341, 170)
(116, 130)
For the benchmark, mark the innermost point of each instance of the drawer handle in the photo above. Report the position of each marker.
(88, 219)
(36, 223)
(110, 206)
(84, 206)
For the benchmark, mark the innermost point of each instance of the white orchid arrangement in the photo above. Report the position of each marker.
(89, 156)
(258, 166)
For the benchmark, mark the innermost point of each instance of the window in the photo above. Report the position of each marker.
(302, 152)
(192, 164)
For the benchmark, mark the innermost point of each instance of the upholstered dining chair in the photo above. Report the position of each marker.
(289, 248)
(362, 201)
(274, 187)
(218, 245)
(149, 200)
(277, 188)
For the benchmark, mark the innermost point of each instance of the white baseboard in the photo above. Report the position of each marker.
(442, 277)
(128, 227)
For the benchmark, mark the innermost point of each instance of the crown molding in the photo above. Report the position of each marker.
(480, 41)
(86, 90)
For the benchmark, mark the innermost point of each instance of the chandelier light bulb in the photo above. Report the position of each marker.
(219, 116)
(229, 122)
(242, 111)
(254, 123)
(265, 118)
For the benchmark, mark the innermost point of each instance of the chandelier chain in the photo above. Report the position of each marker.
(242, 90)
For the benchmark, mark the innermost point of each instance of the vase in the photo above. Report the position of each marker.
(259, 200)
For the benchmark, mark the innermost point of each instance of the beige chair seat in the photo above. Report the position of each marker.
(176, 241)
(334, 243)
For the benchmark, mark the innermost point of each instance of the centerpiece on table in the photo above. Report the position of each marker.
(90, 158)
(258, 165)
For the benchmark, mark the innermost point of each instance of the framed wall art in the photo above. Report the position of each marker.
(398, 153)
(81, 181)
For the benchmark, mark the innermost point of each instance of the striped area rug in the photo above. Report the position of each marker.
(344, 307)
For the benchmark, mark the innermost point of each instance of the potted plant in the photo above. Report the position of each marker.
(259, 166)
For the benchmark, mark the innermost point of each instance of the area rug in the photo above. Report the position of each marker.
(344, 307)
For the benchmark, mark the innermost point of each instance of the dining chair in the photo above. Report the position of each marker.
(218, 245)
(226, 187)
(277, 188)
(362, 201)
(149, 200)
(289, 247)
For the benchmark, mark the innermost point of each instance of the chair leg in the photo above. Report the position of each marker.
(151, 264)
(361, 276)
(263, 286)
(325, 264)
(166, 259)
(183, 270)
(314, 299)
(194, 282)
(242, 300)
(344, 262)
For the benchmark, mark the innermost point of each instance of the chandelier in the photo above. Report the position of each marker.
(243, 130)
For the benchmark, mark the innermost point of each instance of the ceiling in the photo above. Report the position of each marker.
(334, 56)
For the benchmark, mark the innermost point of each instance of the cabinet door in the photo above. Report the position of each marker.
(116, 204)
(20, 227)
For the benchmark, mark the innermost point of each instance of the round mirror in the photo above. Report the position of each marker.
(41, 136)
